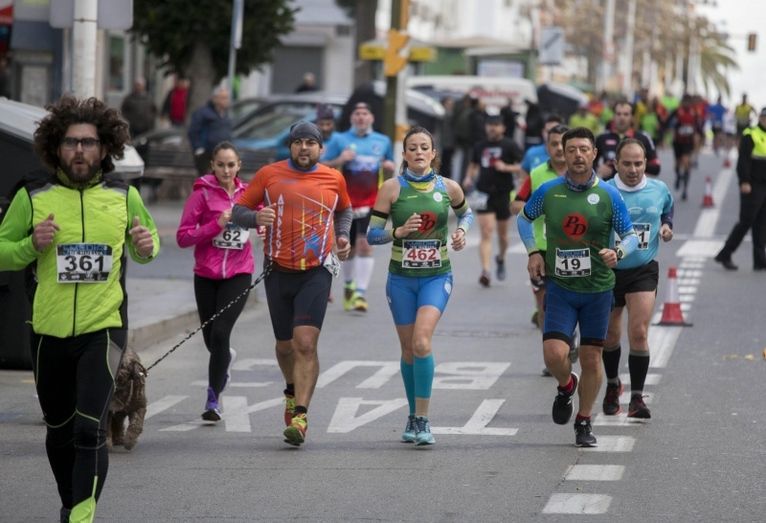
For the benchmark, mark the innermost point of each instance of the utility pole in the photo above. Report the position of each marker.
(394, 66)
(627, 78)
(608, 53)
(84, 36)
(237, 12)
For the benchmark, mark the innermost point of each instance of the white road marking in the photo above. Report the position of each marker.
(237, 384)
(661, 342)
(706, 248)
(478, 375)
(651, 378)
(239, 409)
(594, 473)
(618, 420)
(162, 404)
(625, 397)
(577, 504)
(344, 419)
(477, 425)
(613, 444)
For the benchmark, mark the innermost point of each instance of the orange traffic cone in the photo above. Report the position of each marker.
(671, 310)
(707, 200)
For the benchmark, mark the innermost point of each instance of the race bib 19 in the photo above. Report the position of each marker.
(83, 262)
(232, 237)
(572, 263)
(421, 254)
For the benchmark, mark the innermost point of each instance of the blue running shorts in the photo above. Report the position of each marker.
(564, 309)
(406, 294)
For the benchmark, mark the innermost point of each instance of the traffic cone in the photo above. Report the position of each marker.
(707, 200)
(671, 310)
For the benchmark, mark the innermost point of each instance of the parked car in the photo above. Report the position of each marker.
(261, 134)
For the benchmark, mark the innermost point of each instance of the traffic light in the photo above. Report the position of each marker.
(752, 40)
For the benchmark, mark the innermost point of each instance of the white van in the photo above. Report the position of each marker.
(494, 91)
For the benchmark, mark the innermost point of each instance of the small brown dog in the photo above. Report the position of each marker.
(128, 401)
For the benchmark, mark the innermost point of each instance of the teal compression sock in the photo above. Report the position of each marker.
(424, 376)
(408, 377)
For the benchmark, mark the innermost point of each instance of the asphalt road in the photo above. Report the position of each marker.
(498, 457)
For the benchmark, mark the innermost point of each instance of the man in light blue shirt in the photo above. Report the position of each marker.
(650, 205)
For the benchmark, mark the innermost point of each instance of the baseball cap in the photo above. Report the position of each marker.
(304, 129)
(325, 112)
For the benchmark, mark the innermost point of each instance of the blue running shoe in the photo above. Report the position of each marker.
(410, 430)
(423, 435)
(212, 409)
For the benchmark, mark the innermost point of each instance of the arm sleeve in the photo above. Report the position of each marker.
(342, 222)
(623, 225)
(16, 248)
(243, 216)
(377, 234)
(136, 208)
(464, 215)
(667, 210)
(190, 230)
(526, 232)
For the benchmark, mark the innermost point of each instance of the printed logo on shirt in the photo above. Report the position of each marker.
(574, 225)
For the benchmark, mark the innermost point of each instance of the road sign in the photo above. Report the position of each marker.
(551, 50)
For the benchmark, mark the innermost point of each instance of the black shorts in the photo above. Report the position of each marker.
(359, 227)
(682, 148)
(296, 299)
(498, 203)
(640, 279)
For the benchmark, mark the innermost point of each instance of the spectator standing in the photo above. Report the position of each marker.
(308, 84)
(176, 103)
(210, 125)
(138, 109)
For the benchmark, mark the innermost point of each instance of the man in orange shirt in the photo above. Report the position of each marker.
(307, 212)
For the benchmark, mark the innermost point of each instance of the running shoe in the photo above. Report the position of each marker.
(535, 315)
(295, 434)
(360, 303)
(584, 434)
(212, 409)
(484, 279)
(423, 435)
(612, 399)
(410, 430)
(562, 404)
(637, 408)
(500, 269)
(349, 293)
(289, 409)
(546, 373)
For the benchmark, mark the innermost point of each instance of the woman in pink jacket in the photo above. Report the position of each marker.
(223, 263)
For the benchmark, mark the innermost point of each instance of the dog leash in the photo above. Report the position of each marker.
(259, 279)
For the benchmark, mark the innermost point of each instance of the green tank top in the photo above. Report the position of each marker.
(422, 253)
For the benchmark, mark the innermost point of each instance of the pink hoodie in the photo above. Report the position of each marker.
(199, 226)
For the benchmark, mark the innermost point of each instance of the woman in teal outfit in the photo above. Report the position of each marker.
(420, 277)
